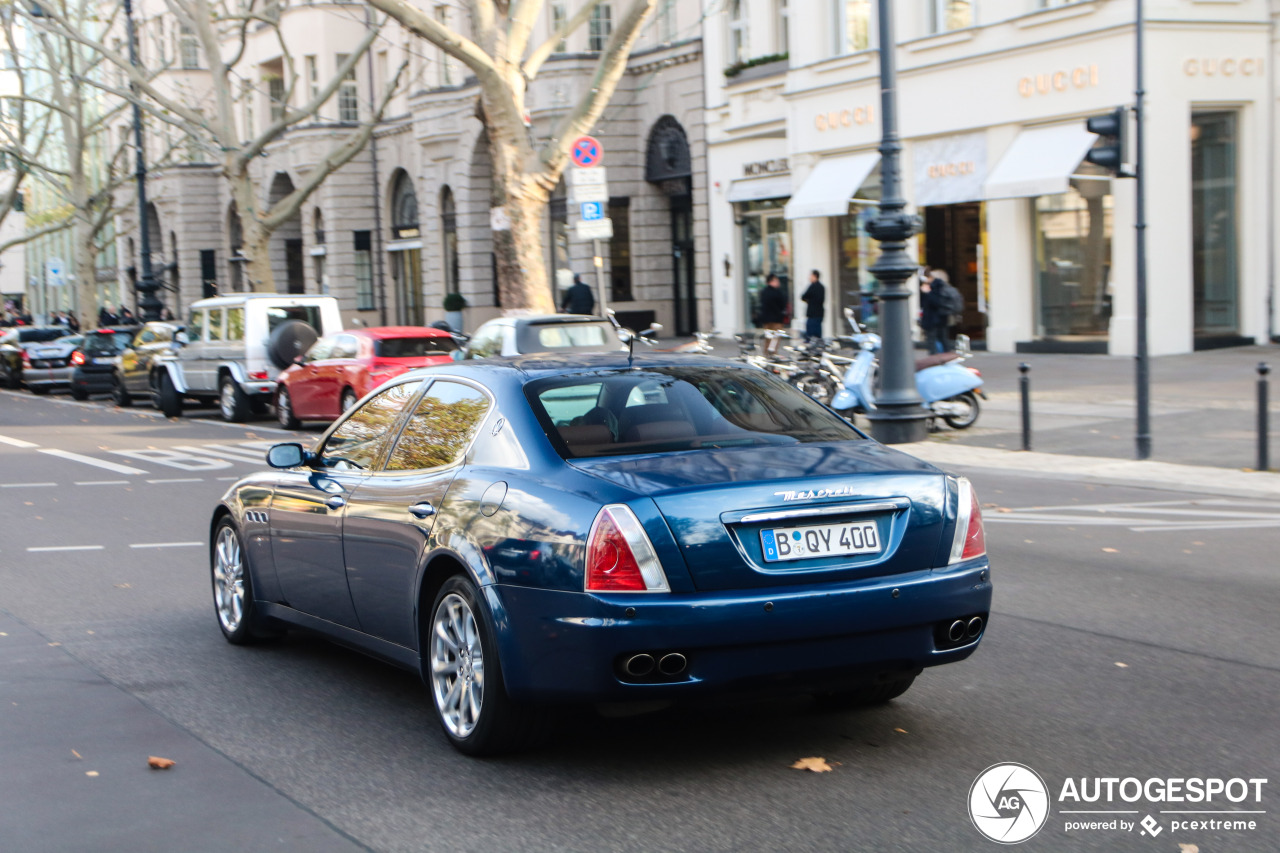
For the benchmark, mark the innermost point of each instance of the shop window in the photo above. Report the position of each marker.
(1215, 259)
(599, 28)
(947, 15)
(1073, 257)
(853, 26)
(620, 250)
(364, 270)
(854, 285)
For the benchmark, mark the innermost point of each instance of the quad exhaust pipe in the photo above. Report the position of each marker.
(644, 664)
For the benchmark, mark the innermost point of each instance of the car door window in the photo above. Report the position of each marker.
(146, 336)
(213, 329)
(235, 324)
(345, 346)
(487, 342)
(195, 327)
(440, 428)
(359, 440)
(319, 350)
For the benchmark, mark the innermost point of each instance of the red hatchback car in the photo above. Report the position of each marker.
(340, 369)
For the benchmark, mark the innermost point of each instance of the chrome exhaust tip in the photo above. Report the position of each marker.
(672, 664)
(956, 632)
(639, 665)
(975, 627)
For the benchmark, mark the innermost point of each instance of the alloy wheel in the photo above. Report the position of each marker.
(284, 411)
(228, 579)
(227, 401)
(457, 665)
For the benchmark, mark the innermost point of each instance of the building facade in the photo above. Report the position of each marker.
(408, 220)
(992, 98)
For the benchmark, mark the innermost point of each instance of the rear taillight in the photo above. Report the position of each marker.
(258, 374)
(620, 557)
(77, 358)
(26, 359)
(970, 540)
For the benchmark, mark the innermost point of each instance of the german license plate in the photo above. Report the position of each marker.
(104, 360)
(822, 540)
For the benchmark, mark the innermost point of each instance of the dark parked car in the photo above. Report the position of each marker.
(135, 374)
(48, 365)
(14, 341)
(94, 364)
(552, 529)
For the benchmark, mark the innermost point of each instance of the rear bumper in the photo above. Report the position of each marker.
(93, 381)
(47, 376)
(567, 646)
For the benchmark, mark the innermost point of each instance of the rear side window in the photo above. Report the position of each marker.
(441, 428)
(413, 347)
(345, 346)
(214, 326)
(358, 441)
(235, 324)
(319, 350)
(104, 344)
(195, 327)
(670, 409)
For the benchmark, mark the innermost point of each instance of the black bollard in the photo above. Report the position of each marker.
(1264, 456)
(1024, 385)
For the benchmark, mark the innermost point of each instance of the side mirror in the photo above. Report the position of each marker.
(287, 455)
(458, 354)
(180, 339)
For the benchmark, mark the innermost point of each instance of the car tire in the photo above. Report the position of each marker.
(964, 421)
(348, 400)
(168, 400)
(863, 697)
(233, 601)
(470, 701)
(78, 393)
(8, 379)
(233, 403)
(119, 394)
(284, 410)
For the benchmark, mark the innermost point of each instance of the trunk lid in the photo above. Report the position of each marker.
(737, 512)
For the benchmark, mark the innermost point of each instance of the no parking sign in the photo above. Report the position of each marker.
(586, 152)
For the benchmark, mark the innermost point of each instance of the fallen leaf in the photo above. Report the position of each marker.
(1197, 543)
(77, 755)
(901, 731)
(1188, 848)
(1003, 509)
(55, 644)
(124, 586)
(814, 764)
(91, 772)
(990, 506)
(156, 763)
(1028, 541)
(1122, 665)
(1111, 550)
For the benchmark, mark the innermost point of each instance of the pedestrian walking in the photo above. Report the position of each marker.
(106, 317)
(72, 322)
(814, 299)
(773, 311)
(932, 320)
(578, 299)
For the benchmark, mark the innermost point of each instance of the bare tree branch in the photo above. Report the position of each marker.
(543, 52)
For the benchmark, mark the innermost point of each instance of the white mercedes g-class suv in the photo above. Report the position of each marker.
(234, 346)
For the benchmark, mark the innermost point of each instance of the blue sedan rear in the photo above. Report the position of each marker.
(553, 529)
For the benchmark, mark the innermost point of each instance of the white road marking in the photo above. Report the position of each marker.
(221, 451)
(179, 480)
(16, 442)
(1145, 517)
(68, 548)
(24, 485)
(226, 479)
(89, 460)
(167, 545)
(181, 460)
(102, 482)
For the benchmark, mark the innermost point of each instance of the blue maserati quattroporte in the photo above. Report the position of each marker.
(555, 529)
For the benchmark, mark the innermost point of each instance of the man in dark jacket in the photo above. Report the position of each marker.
(578, 299)
(814, 299)
(773, 312)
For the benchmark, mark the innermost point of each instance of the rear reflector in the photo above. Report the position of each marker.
(970, 539)
(620, 557)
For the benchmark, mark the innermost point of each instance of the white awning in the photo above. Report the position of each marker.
(831, 185)
(1040, 162)
(758, 189)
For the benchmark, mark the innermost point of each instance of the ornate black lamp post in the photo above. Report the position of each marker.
(900, 416)
(148, 303)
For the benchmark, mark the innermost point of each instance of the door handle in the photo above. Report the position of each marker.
(422, 510)
(335, 502)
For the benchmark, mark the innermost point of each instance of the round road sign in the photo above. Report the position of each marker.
(586, 152)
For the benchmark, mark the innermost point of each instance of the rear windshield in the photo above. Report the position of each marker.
(413, 347)
(37, 335)
(104, 343)
(584, 337)
(669, 409)
(309, 314)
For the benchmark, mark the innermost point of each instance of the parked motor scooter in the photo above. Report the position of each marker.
(949, 389)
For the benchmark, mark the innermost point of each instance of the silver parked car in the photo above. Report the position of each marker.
(50, 365)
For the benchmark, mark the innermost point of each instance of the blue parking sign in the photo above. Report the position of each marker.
(592, 210)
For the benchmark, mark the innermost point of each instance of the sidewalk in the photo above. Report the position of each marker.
(1203, 406)
(74, 775)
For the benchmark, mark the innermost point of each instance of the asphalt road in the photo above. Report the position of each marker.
(1134, 633)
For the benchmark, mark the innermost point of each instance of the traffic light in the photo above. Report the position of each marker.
(1110, 153)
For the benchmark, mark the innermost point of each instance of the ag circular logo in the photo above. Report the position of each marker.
(1008, 803)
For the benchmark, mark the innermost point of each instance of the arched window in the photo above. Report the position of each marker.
(404, 208)
(449, 227)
